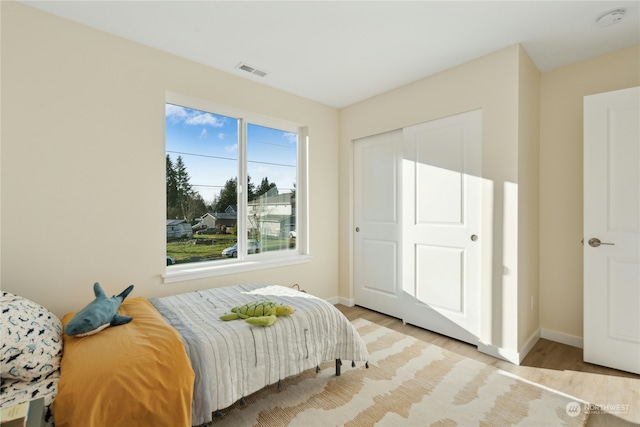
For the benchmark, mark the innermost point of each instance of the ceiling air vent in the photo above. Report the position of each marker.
(250, 69)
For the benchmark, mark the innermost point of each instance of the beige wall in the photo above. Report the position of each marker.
(561, 97)
(83, 163)
(492, 83)
(82, 166)
(528, 201)
(536, 184)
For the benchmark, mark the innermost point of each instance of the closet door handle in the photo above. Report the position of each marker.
(594, 242)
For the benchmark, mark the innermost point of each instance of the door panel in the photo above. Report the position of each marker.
(439, 155)
(379, 180)
(623, 296)
(376, 218)
(380, 276)
(439, 274)
(612, 215)
(441, 212)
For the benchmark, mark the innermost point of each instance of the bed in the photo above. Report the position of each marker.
(234, 359)
(136, 374)
(178, 364)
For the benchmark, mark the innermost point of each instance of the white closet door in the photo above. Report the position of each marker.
(377, 251)
(441, 190)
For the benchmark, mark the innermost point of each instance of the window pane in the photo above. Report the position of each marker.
(201, 173)
(271, 166)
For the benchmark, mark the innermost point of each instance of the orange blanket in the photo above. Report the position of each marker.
(131, 375)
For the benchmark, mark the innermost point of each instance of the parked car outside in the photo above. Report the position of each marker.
(207, 231)
(232, 252)
(170, 260)
(199, 227)
(292, 234)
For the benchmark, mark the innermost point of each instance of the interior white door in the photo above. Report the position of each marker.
(442, 193)
(612, 229)
(377, 223)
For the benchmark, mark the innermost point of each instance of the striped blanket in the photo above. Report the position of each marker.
(234, 359)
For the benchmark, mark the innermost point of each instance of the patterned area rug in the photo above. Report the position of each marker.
(409, 383)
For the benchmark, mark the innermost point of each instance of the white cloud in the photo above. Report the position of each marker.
(203, 133)
(231, 148)
(192, 117)
(204, 119)
(291, 137)
(175, 112)
(221, 135)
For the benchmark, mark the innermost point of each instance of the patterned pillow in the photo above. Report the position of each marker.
(14, 392)
(31, 342)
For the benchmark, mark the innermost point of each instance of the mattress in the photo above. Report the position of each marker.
(233, 359)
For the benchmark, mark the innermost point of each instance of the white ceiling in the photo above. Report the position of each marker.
(341, 52)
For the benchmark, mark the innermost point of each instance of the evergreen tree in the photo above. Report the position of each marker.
(182, 201)
(184, 190)
(270, 189)
(228, 195)
(251, 190)
(172, 188)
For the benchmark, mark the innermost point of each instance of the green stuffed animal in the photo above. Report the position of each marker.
(261, 313)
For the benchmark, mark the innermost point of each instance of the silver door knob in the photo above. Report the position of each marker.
(474, 238)
(594, 242)
(357, 229)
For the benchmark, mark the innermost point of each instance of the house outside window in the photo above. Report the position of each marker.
(233, 193)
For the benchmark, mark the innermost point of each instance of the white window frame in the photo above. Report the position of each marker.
(263, 260)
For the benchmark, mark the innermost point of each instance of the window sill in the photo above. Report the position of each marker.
(179, 273)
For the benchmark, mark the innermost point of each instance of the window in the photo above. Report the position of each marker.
(233, 199)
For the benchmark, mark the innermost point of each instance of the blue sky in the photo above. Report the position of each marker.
(208, 144)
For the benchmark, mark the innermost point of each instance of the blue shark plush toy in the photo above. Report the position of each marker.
(99, 314)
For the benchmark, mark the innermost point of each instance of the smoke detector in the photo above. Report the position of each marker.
(610, 18)
(249, 69)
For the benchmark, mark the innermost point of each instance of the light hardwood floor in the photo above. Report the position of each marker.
(551, 364)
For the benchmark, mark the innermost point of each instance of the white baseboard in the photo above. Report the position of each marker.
(349, 302)
(500, 353)
(562, 338)
(533, 339)
(334, 300)
(512, 356)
